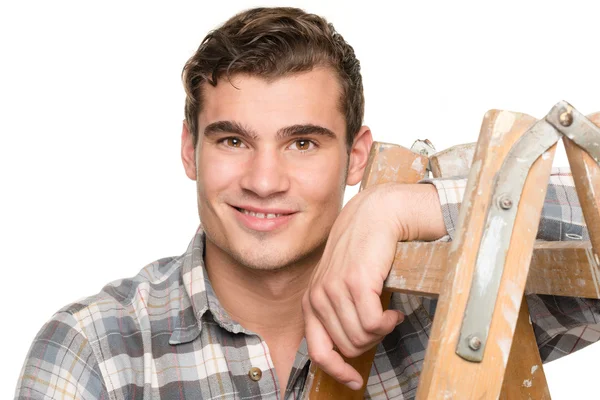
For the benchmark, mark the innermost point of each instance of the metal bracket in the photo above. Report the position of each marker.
(563, 119)
(423, 147)
(575, 126)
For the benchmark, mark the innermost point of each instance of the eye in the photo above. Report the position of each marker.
(303, 145)
(233, 142)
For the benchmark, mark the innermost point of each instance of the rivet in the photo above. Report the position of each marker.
(474, 343)
(505, 203)
(565, 118)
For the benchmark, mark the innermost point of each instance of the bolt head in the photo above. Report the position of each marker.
(505, 203)
(474, 343)
(565, 118)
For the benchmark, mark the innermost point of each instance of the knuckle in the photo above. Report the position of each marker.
(357, 340)
(317, 298)
(333, 292)
(337, 374)
(317, 357)
(371, 325)
(354, 282)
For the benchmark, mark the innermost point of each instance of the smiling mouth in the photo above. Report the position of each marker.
(260, 215)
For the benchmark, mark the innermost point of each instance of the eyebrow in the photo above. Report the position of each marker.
(218, 127)
(229, 127)
(303, 130)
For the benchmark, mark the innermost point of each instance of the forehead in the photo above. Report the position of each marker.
(308, 97)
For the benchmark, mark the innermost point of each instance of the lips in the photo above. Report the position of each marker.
(259, 214)
(263, 220)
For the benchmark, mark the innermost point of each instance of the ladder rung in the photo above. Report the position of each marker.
(557, 268)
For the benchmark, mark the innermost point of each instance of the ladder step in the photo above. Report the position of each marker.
(557, 268)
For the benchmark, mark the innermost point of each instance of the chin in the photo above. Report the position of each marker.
(269, 260)
(275, 256)
(267, 251)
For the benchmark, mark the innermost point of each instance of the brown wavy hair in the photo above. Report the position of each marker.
(271, 43)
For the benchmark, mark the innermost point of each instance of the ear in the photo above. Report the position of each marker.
(359, 155)
(188, 153)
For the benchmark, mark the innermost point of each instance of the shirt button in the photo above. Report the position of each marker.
(255, 374)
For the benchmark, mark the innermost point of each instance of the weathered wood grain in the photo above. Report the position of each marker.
(454, 161)
(446, 375)
(524, 359)
(586, 174)
(557, 268)
(524, 377)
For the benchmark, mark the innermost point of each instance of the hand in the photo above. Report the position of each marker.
(342, 306)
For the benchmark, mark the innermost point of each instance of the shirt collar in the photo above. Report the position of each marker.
(199, 293)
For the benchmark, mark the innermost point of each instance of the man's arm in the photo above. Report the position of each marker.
(342, 305)
(61, 364)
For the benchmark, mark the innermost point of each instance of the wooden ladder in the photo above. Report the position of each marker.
(482, 275)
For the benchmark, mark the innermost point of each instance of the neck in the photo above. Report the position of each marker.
(266, 302)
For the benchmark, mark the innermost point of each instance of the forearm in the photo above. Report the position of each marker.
(416, 210)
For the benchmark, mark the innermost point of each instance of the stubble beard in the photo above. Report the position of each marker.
(309, 256)
(264, 257)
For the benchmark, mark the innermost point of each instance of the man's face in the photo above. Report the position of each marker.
(271, 167)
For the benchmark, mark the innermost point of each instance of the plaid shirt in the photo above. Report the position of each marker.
(163, 333)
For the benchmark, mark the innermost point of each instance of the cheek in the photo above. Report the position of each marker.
(216, 173)
(322, 182)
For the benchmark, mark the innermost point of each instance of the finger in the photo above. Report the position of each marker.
(321, 352)
(372, 317)
(359, 337)
(320, 307)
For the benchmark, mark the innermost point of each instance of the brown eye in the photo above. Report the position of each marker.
(302, 144)
(233, 142)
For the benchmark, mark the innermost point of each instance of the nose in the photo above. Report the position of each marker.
(266, 173)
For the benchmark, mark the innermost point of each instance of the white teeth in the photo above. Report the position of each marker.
(260, 215)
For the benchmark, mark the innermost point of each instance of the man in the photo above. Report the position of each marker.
(272, 134)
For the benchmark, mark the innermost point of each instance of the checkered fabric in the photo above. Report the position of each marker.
(163, 333)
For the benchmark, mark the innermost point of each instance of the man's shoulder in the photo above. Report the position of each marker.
(121, 297)
(94, 334)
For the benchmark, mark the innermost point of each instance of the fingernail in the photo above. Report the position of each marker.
(400, 318)
(354, 385)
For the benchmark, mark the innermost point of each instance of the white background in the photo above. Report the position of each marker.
(91, 104)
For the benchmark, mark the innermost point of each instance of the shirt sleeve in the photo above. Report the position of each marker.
(562, 325)
(61, 364)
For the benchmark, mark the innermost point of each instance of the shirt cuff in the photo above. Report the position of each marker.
(451, 192)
